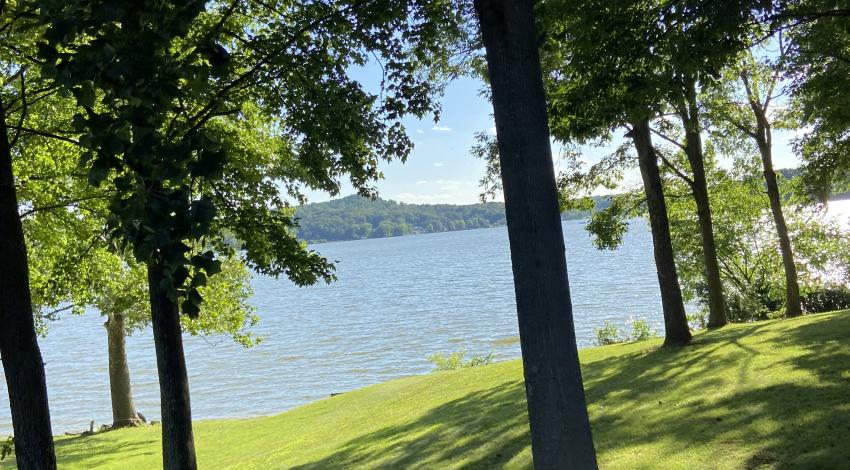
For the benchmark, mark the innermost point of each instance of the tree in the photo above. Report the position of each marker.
(195, 113)
(581, 68)
(22, 361)
(688, 110)
(560, 428)
(749, 112)
(751, 265)
(21, 356)
(819, 65)
(122, 298)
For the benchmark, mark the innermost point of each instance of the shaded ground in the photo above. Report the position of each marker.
(772, 395)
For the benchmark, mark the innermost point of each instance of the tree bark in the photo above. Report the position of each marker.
(178, 443)
(793, 303)
(676, 329)
(22, 362)
(764, 139)
(696, 159)
(560, 428)
(123, 406)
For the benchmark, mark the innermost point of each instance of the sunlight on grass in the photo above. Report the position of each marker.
(764, 395)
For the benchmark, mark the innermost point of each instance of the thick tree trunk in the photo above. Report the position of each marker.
(178, 443)
(560, 429)
(21, 356)
(696, 159)
(123, 407)
(676, 329)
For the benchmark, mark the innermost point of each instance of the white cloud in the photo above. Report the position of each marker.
(421, 182)
(441, 129)
(439, 164)
(493, 130)
(420, 131)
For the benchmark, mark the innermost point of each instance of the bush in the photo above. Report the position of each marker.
(7, 448)
(610, 333)
(641, 331)
(698, 320)
(456, 360)
(827, 300)
(755, 303)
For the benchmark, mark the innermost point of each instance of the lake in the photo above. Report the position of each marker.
(397, 301)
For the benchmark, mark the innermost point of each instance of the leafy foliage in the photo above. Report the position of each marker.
(751, 266)
(820, 71)
(457, 360)
(610, 333)
(167, 117)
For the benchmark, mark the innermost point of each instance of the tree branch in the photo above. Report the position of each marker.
(668, 139)
(203, 115)
(673, 167)
(49, 135)
(62, 204)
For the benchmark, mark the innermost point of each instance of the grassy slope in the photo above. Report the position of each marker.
(767, 395)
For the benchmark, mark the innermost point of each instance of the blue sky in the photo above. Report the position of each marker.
(441, 169)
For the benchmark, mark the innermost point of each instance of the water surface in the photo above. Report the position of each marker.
(397, 301)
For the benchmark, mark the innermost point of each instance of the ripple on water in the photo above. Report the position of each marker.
(397, 301)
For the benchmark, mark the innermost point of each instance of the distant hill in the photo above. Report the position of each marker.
(357, 218)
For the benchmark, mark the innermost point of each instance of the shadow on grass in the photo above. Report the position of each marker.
(658, 397)
(91, 451)
(800, 422)
(481, 430)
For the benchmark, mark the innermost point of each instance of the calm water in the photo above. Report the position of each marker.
(397, 301)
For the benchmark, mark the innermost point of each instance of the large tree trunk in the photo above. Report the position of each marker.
(178, 444)
(21, 356)
(793, 307)
(676, 330)
(560, 429)
(123, 407)
(696, 159)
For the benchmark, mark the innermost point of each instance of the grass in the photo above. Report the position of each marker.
(770, 395)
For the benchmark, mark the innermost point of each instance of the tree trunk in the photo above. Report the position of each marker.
(764, 139)
(793, 306)
(676, 329)
(178, 444)
(22, 362)
(696, 159)
(123, 407)
(560, 429)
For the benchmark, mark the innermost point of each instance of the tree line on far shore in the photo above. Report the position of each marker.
(357, 218)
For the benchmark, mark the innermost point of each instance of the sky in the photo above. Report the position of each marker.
(442, 170)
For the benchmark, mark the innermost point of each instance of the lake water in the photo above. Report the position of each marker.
(397, 301)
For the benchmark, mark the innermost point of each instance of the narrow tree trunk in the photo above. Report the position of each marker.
(764, 139)
(123, 407)
(793, 306)
(676, 329)
(560, 429)
(21, 356)
(178, 444)
(696, 159)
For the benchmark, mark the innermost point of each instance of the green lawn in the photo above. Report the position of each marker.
(766, 395)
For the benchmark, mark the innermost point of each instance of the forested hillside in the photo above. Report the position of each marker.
(356, 218)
